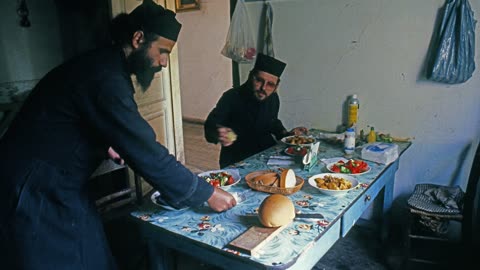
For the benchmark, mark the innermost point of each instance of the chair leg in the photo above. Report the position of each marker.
(407, 242)
(138, 189)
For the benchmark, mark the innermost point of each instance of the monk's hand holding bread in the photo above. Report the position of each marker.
(221, 200)
(226, 136)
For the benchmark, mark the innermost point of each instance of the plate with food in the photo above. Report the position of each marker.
(296, 151)
(221, 178)
(331, 138)
(333, 183)
(351, 166)
(298, 140)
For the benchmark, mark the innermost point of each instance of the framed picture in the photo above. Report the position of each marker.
(185, 5)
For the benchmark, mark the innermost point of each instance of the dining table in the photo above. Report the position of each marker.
(205, 235)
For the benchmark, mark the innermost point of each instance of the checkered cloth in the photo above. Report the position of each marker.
(438, 200)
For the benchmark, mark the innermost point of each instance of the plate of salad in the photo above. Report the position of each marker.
(351, 166)
(221, 178)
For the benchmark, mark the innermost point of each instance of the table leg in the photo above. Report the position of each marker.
(387, 201)
(160, 257)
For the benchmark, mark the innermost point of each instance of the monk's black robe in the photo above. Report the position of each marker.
(57, 140)
(255, 123)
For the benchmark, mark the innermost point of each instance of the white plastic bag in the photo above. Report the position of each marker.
(240, 45)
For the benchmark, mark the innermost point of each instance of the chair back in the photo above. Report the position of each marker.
(111, 188)
(471, 214)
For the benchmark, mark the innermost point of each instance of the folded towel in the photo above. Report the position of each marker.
(445, 197)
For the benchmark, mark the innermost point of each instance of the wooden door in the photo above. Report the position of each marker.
(160, 105)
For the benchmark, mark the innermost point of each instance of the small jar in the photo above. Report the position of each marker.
(349, 142)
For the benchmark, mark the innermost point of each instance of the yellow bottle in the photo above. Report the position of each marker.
(372, 136)
(353, 107)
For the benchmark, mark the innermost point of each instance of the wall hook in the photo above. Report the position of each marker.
(23, 12)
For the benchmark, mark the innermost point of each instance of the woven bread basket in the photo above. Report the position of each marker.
(272, 189)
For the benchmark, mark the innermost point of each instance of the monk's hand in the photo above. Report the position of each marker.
(226, 136)
(221, 200)
(115, 156)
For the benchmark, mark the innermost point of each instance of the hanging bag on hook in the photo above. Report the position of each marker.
(240, 44)
(454, 59)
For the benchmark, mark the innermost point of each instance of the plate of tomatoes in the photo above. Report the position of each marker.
(221, 178)
(296, 151)
(351, 166)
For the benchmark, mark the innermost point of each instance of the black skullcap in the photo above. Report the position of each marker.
(269, 64)
(153, 18)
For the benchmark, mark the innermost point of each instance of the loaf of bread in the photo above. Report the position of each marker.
(268, 179)
(288, 179)
(276, 210)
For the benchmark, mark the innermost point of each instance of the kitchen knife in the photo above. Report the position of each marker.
(297, 215)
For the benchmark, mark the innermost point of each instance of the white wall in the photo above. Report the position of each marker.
(204, 72)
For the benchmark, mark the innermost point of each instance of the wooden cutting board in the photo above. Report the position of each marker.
(254, 238)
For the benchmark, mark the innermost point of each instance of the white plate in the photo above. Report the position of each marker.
(332, 192)
(330, 165)
(233, 172)
(331, 136)
(288, 138)
(161, 203)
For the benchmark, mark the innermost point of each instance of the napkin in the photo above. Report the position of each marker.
(280, 161)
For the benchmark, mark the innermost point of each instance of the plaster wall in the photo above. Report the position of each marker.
(204, 72)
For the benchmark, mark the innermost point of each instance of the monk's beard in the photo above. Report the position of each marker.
(141, 66)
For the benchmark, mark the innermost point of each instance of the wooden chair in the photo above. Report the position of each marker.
(111, 188)
(437, 237)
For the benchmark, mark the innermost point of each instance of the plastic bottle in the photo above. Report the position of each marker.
(372, 136)
(349, 142)
(353, 106)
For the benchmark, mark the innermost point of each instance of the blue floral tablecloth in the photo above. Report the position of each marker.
(218, 229)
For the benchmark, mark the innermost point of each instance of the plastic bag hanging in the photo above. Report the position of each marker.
(454, 60)
(268, 39)
(240, 45)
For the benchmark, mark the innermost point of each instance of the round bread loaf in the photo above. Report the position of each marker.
(276, 210)
(288, 179)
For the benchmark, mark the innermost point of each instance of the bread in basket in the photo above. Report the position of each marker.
(274, 182)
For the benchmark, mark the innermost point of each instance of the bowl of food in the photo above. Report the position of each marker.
(299, 140)
(221, 178)
(333, 184)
